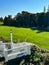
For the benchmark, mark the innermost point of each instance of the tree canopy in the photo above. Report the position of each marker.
(26, 19)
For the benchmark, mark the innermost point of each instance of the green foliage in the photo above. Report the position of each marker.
(35, 56)
(26, 19)
(1, 19)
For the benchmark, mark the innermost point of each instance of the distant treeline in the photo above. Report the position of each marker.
(26, 19)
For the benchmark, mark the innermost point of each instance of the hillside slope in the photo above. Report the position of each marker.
(41, 39)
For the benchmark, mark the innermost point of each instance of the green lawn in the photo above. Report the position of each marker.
(41, 39)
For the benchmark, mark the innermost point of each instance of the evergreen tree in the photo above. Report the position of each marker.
(48, 9)
(44, 9)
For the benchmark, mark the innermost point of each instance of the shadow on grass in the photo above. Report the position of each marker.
(32, 28)
(1, 24)
(40, 30)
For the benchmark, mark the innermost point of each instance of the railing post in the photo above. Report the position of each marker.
(11, 39)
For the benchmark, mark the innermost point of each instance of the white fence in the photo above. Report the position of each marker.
(18, 50)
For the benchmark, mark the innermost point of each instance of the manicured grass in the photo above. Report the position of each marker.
(40, 39)
(1, 23)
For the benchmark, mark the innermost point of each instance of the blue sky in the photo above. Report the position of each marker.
(12, 7)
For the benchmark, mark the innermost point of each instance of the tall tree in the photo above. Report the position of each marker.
(44, 9)
(48, 9)
(1, 19)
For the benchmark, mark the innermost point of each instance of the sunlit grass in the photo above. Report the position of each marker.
(41, 39)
